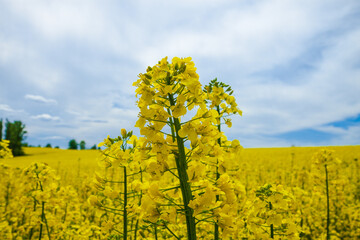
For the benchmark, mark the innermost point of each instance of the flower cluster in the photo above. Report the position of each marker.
(5, 151)
(33, 205)
(270, 214)
(180, 171)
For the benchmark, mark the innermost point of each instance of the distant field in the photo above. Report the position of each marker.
(87, 159)
(83, 163)
(68, 164)
(54, 156)
(287, 153)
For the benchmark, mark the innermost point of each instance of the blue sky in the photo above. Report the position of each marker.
(67, 67)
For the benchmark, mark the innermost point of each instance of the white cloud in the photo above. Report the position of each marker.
(342, 136)
(57, 19)
(350, 137)
(6, 108)
(327, 93)
(53, 138)
(38, 98)
(254, 37)
(236, 41)
(46, 117)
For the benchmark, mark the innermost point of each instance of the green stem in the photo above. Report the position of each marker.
(171, 124)
(171, 231)
(7, 196)
(155, 232)
(42, 219)
(47, 227)
(181, 165)
(125, 205)
(271, 225)
(218, 126)
(327, 205)
(216, 226)
(139, 203)
(64, 218)
(136, 228)
(31, 233)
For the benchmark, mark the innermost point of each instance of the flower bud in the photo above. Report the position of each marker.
(123, 132)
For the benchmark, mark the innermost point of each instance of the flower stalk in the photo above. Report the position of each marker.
(181, 165)
(327, 204)
(125, 217)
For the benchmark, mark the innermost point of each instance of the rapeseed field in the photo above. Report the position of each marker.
(182, 178)
(70, 215)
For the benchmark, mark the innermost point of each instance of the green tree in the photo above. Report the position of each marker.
(82, 145)
(73, 144)
(94, 147)
(48, 145)
(1, 128)
(15, 133)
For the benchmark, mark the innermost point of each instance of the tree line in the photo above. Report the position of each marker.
(73, 144)
(15, 132)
